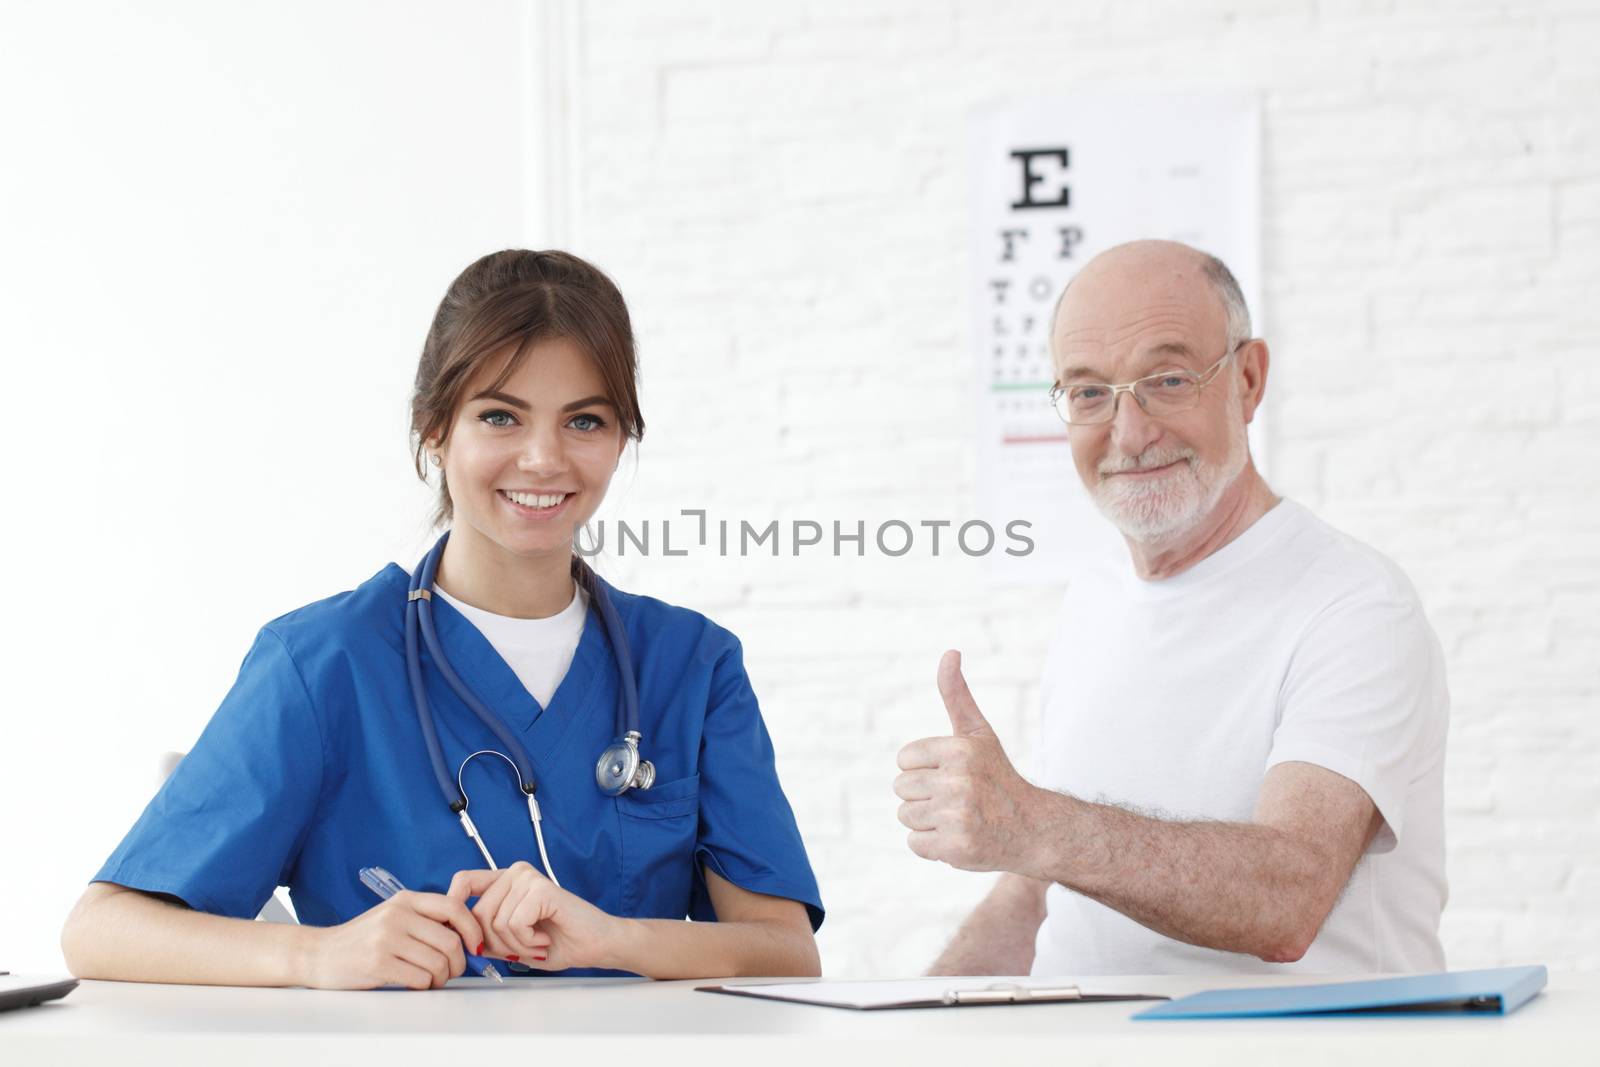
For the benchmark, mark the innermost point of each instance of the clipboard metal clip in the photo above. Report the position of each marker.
(1011, 993)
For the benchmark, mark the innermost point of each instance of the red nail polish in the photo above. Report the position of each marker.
(541, 959)
(480, 949)
(513, 957)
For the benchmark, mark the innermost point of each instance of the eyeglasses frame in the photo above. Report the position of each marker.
(1203, 379)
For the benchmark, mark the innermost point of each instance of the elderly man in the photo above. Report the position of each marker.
(1244, 726)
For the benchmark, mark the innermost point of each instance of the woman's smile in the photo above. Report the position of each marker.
(536, 506)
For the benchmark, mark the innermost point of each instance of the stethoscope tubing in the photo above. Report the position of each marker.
(430, 736)
(424, 609)
(419, 624)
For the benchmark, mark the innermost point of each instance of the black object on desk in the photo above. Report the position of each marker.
(27, 991)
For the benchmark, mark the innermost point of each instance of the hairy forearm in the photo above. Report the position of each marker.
(671, 948)
(998, 937)
(1238, 887)
(124, 935)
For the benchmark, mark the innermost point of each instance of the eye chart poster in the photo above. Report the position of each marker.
(1054, 182)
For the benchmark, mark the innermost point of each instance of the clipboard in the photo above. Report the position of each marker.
(1497, 991)
(923, 993)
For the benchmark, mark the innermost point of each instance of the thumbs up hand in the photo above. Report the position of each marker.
(964, 802)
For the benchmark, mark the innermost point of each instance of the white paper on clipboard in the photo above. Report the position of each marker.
(924, 993)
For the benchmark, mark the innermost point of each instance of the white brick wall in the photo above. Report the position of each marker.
(779, 189)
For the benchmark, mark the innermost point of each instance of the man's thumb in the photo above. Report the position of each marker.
(965, 718)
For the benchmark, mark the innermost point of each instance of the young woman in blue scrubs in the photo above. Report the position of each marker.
(315, 765)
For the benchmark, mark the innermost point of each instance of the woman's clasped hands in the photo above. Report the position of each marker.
(420, 940)
(527, 918)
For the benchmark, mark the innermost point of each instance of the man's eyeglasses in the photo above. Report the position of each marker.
(1167, 393)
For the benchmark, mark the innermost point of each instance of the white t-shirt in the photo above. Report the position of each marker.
(1174, 697)
(538, 651)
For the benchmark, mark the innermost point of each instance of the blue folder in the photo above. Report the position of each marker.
(1500, 990)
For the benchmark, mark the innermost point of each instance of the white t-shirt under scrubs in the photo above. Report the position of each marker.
(1174, 697)
(538, 651)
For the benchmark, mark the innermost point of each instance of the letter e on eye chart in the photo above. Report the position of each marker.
(1055, 181)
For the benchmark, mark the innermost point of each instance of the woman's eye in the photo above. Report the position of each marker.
(587, 423)
(498, 419)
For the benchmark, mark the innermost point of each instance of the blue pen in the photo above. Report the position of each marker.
(387, 885)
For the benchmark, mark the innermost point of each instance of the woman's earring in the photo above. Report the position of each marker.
(433, 457)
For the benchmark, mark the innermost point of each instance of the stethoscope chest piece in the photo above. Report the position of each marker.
(620, 768)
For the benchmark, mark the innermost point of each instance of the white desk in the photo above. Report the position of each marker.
(633, 1023)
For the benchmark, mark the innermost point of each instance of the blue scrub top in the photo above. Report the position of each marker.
(314, 766)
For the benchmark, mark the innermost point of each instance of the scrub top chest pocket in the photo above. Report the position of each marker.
(659, 828)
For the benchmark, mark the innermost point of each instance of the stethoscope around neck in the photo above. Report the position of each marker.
(619, 768)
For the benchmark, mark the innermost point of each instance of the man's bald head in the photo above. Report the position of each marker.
(1148, 260)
